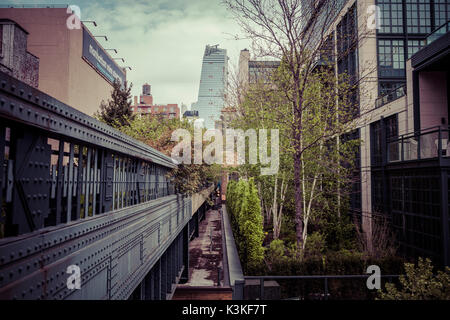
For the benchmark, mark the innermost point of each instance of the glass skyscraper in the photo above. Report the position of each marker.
(213, 85)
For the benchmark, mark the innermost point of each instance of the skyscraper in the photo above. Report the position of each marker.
(213, 85)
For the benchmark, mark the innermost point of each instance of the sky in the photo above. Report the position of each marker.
(161, 40)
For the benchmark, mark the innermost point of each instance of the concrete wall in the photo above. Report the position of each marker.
(433, 99)
(200, 197)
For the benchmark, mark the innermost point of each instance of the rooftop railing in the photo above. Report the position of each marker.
(391, 96)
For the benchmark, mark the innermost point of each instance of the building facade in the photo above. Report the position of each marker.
(190, 115)
(145, 106)
(213, 85)
(73, 66)
(253, 71)
(402, 117)
(15, 60)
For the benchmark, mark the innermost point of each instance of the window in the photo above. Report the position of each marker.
(391, 58)
(347, 33)
(376, 140)
(375, 143)
(346, 42)
(389, 86)
(441, 12)
(416, 212)
(391, 16)
(418, 16)
(1, 39)
(414, 46)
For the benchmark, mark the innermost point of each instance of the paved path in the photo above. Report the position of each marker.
(205, 256)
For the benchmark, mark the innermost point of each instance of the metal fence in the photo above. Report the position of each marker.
(390, 96)
(427, 144)
(60, 165)
(308, 287)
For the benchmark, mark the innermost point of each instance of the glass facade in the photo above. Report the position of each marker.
(441, 12)
(213, 85)
(391, 58)
(416, 212)
(391, 16)
(418, 16)
(347, 54)
(404, 27)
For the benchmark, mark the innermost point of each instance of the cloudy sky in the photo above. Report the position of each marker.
(162, 40)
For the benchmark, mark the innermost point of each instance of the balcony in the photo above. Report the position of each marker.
(437, 44)
(429, 144)
(439, 32)
(391, 96)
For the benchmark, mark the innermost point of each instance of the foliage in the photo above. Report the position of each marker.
(310, 104)
(327, 166)
(244, 208)
(117, 110)
(157, 133)
(419, 283)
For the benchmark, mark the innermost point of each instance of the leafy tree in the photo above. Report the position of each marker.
(295, 33)
(419, 284)
(117, 110)
(327, 165)
(157, 133)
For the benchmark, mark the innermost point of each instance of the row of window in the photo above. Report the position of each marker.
(392, 55)
(415, 15)
(155, 109)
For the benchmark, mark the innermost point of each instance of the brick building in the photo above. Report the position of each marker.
(145, 105)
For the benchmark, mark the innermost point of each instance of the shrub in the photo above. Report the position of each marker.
(243, 204)
(419, 284)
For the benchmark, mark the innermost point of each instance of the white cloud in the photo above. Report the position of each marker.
(163, 41)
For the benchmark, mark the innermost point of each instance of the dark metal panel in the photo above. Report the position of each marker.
(27, 104)
(31, 182)
(95, 245)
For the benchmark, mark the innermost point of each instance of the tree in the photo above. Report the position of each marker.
(295, 32)
(246, 221)
(117, 110)
(157, 133)
(420, 284)
(326, 165)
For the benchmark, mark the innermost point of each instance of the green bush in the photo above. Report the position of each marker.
(419, 284)
(243, 205)
(288, 262)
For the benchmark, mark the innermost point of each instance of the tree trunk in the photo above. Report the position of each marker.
(298, 198)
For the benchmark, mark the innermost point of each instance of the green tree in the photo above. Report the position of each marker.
(295, 32)
(419, 284)
(243, 205)
(253, 228)
(326, 164)
(157, 133)
(117, 110)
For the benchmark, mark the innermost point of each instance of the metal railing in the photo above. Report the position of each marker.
(325, 295)
(391, 96)
(75, 191)
(60, 165)
(439, 32)
(427, 144)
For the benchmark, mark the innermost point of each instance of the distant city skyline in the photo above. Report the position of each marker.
(162, 41)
